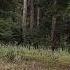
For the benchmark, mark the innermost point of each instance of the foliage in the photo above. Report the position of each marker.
(11, 21)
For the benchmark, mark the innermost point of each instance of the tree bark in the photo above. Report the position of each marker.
(32, 14)
(55, 32)
(38, 16)
(24, 13)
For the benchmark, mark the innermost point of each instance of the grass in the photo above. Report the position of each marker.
(19, 58)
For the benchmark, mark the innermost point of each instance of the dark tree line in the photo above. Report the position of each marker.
(35, 22)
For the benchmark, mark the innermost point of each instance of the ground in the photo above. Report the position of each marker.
(13, 58)
(32, 65)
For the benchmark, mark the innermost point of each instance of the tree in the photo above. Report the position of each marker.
(56, 22)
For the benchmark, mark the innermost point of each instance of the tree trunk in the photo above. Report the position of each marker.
(24, 20)
(24, 13)
(54, 30)
(53, 33)
(32, 14)
(38, 14)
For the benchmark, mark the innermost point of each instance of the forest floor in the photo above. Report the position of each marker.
(13, 58)
(32, 65)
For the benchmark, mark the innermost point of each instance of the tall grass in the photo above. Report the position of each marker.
(11, 52)
(19, 54)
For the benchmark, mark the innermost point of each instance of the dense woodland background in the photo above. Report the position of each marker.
(37, 23)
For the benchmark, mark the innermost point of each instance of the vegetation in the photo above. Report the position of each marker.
(35, 34)
(21, 58)
(35, 22)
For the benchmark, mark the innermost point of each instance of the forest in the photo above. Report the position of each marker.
(36, 31)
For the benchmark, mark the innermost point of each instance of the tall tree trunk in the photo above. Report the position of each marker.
(24, 20)
(38, 14)
(32, 14)
(55, 32)
(24, 12)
